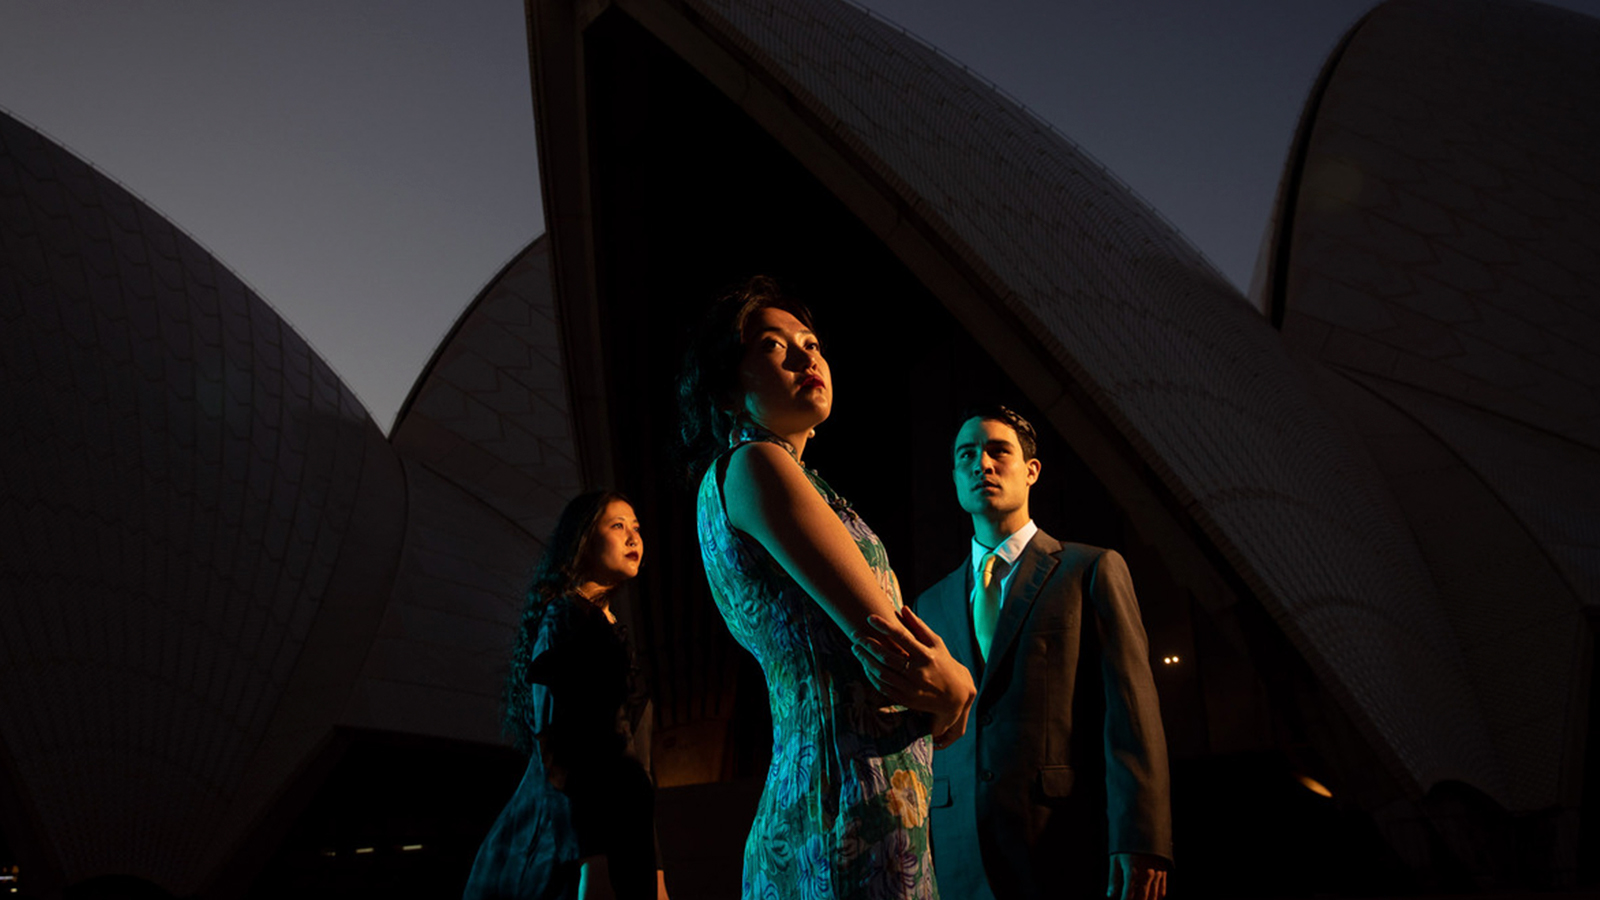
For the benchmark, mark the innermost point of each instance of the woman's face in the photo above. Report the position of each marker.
(615, 549)
(785, 381)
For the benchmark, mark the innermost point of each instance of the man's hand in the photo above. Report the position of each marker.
(1136, 876)
(914, 668)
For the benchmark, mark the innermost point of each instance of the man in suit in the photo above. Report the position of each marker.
(1012, 612)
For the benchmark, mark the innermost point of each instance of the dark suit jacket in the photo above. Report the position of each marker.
(999, 791)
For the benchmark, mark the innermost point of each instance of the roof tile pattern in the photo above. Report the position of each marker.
(213, 557)
(1444, 253)
(1190, 375)
(438, 661)
(1476, 150)
(1447, 228)
(179, 480)
(491, 461)
(1513, 615)
(490, 412)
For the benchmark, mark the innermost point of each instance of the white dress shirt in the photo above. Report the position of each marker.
(1005, 557)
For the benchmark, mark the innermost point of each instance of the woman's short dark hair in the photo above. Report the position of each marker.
(708, 382)
(558, 572)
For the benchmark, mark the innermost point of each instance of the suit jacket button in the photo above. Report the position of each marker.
(987, 775)
(986, 719)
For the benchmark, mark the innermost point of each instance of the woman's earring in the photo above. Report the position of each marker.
(811, 433)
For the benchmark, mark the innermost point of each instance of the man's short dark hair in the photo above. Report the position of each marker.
(1027, 438)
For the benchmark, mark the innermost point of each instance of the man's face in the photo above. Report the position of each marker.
(992, 478)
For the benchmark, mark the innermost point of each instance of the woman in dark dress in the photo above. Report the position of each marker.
(581, 824)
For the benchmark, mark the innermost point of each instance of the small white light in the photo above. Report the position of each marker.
(363, 849)
(410, 847)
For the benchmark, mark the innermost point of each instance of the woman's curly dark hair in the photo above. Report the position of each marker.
(708, 383)
(557, 574)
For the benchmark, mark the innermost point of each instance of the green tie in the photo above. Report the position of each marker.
(985, 604)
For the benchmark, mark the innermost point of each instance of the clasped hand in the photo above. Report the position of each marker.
(910, 664)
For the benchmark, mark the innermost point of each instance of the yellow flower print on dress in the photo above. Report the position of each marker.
(908, 799)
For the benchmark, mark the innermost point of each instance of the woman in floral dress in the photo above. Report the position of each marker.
(801, 581)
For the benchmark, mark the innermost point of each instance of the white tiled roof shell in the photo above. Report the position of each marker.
(1447, 233)
(1448, 236)
(1444, 253)
(490, 462)
(490, 411)
(210, 556)
(179, 479)
(438, 658)
(1193, 378)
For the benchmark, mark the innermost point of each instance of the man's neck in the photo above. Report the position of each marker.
(990, 532)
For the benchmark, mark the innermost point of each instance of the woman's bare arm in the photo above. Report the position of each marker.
(769, 498)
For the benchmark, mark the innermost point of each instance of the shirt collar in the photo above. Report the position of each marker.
(1008, 550)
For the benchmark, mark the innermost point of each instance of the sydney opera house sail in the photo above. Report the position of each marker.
(214, 560)
(1437, 250)
(182, 478)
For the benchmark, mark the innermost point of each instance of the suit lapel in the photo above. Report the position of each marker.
(954, 598)
(1038, 560)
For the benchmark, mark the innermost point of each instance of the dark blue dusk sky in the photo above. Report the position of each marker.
(366, 166)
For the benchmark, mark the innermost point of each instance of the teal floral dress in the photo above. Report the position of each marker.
(845, 811)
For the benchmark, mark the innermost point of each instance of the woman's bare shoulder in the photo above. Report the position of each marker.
(762, 474)
(759, 456)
